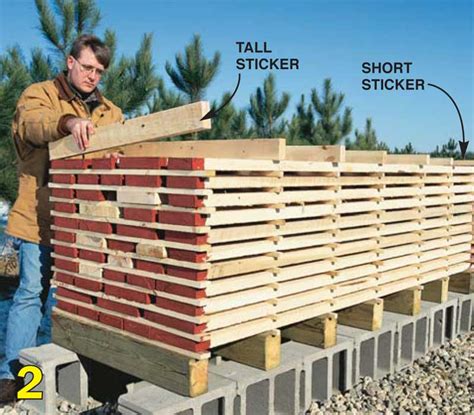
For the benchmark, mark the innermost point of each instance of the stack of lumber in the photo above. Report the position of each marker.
(188, 246)
(143, 241)
(466, 179)
(195, 253)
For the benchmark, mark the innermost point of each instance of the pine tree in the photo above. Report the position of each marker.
(164, 99)
(221, 123)
(229, 122)
(366, 140)
(330, 128)
(449, 149)
(131, 82)
(14, 78)
(75, 18)
(266, 109)
(193, 72)
(302, 127)
(408, 149)
(239, 126)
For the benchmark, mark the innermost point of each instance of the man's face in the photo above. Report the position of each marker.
(84, 72)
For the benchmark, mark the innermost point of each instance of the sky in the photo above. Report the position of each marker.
(331, 39)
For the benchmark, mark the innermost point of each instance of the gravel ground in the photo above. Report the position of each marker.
(442, 382)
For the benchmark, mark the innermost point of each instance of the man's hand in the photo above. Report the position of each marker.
(81, 129)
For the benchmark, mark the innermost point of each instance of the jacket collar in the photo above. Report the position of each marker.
(65, 91)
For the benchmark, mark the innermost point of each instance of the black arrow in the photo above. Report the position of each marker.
(462, 144)
(213, 112)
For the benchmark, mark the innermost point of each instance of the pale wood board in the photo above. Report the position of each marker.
(151, 362)
(261, 351)
(169, 123)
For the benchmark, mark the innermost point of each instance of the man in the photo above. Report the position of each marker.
(47, 111)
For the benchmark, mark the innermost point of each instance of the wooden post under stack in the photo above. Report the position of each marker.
(176, 372)
(261, 351)
(462, 283)
(319, 331)
(366, 316)
(404, 302)
(436, 291)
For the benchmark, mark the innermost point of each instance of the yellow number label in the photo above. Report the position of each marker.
(25, 392)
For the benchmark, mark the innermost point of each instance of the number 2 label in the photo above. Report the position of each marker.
(25, 392)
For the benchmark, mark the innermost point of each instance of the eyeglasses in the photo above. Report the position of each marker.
(88, 69)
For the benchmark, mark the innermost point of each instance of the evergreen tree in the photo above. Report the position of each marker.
(239, 126)
(131, 82)
(70, 19)
(408, 149)
(229, 122)
(266, 109)
(193, 72)
(366, 140)
(164, 99)
(222, 122)
(330, 128)
(15, 76)
(302, 126)
(449, 149)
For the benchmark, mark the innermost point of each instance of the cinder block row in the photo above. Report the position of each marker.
(309, 373)
(306, 373)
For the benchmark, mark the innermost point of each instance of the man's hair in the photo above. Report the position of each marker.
(100, 49)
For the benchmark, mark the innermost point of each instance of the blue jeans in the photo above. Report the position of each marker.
(29, 303)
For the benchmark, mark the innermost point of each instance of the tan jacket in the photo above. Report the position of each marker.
(39, 119)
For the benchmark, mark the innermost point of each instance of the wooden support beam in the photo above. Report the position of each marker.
(464, 162)
(316, 153)
(319, 331)
(169, 123)
(358, 156)
(438, 161)
(462, 283)
(175, 372)
(436, 291)
(261, 351)
(258, 149)
(407, 159)
(366, 316)
(404, 302)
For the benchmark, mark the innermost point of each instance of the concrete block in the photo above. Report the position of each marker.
(372, 355)
(443, 319)
(464, 311)
(325, 371)
(59, 366)
(274, 391)
(146, 399)
(409, 337)
(72, 383)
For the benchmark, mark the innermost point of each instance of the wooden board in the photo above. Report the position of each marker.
(169, 123)
(318, 331)
(175, 372)
(264, 149)
(261, 351)
(328, 153)
(367, 315)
